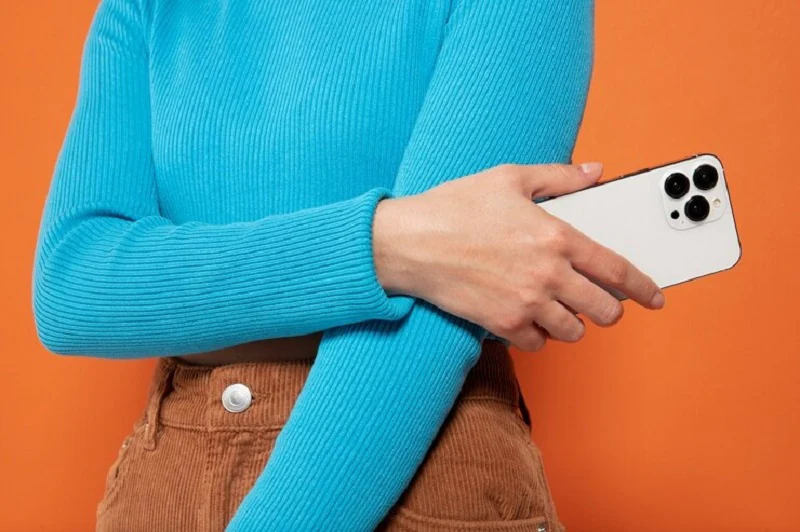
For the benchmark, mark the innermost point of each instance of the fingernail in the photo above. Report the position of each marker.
(591, 170)
(658, 300)
(580, 331)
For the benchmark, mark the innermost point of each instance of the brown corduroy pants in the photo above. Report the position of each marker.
(189, 462)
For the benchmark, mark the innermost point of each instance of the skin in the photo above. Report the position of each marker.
(480, 249)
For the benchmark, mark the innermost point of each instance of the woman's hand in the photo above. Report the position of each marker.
(479, 248)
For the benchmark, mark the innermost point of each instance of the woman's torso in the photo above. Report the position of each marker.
(299, 104)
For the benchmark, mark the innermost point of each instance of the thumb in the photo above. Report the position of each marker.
(556, 179)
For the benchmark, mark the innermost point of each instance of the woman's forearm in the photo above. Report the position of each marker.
(510, 85)
(114, 278)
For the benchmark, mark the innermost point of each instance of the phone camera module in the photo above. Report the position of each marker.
(705, 177)
(676, 185)
(697, 208)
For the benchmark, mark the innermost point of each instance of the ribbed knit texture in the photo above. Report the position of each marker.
(217, 185)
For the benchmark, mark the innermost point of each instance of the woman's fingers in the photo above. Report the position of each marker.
(529, 338)
(517, 274)
(556, 179)
(560, 323)
(582, 295)
(613, 270)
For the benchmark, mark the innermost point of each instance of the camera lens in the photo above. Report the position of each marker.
(697, 209)
(676, 185)
(705, 177)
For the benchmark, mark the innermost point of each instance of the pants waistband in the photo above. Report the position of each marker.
(189, 396)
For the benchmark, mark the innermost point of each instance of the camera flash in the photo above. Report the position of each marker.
(717, 203)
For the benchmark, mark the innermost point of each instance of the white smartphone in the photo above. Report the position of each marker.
(674, 222)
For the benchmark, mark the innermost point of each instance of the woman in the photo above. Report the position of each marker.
(324, 208)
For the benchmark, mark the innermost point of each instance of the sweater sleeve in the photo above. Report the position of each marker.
(510, 86)
(114, 278)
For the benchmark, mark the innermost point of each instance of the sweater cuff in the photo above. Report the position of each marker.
(390, 307)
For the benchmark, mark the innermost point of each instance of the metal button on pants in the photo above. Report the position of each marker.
(236, 398)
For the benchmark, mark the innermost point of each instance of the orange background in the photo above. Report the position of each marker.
(681, 420)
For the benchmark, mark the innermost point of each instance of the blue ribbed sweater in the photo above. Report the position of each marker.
(217, 185)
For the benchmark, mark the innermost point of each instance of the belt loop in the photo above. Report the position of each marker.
(162, 383)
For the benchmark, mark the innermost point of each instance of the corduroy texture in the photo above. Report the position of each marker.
(189, 462)
(217, 185)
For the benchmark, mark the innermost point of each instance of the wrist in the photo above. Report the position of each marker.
(390, 247)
